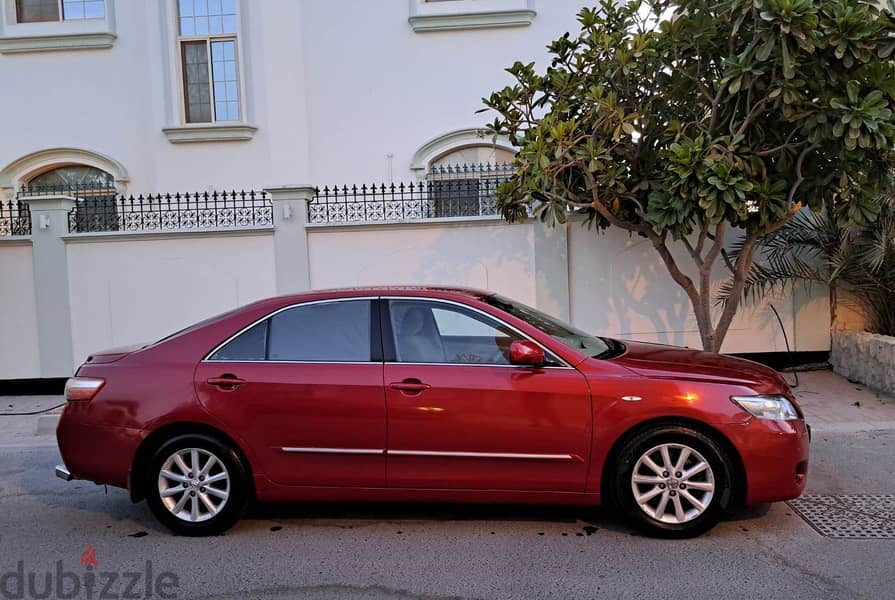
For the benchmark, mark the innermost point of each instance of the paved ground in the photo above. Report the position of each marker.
(417, 551)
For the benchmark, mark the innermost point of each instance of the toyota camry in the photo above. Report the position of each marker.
(428, 394)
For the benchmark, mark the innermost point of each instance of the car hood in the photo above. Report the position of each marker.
(672, 362)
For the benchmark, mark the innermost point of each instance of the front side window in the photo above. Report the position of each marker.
(208, 55)
(434, 332)
(36, 11)
(325, 332)
(585, 343)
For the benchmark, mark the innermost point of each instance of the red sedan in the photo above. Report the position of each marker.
(428, 394)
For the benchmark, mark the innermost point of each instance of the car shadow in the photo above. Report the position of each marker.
(348, 514)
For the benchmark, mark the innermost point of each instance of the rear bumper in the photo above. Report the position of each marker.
(775, 458)
(63, 473)
(96, 453)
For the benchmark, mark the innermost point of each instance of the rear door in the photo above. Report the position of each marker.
(460, 416)
(304, 387)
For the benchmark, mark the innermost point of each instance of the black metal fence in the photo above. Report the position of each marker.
(167, 212)
(448, 191)
(15, 218)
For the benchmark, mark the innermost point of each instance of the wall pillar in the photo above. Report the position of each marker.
(551, 252)
(49, 222)
(290, 238)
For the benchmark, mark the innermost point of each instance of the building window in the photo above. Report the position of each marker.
(38, 11)
(96, 208)
(463, 183)
(208, 55)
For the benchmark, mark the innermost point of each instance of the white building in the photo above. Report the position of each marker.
(167, 96)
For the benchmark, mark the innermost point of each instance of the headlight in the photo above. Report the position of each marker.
(767, 407)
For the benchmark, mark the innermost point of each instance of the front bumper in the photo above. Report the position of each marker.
(775, 458)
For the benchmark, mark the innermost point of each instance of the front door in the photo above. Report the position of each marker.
(460, 416)
(304, 388)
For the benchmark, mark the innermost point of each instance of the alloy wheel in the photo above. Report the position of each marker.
(194, 484)
(673, 483)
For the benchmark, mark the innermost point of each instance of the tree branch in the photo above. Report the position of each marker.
(799, 176)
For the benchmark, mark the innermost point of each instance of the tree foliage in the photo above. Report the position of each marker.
(679, 119)
(857, 262)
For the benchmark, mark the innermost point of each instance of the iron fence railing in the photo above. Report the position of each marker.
(165, 212)
(448, 191)
(15, 218)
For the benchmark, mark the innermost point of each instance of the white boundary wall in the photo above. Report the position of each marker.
(19, 354)
(129, 288)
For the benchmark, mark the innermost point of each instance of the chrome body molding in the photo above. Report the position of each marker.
(433, 453)
(508, 455)
(333, 451)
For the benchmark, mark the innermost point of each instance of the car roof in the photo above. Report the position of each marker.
(389, 290)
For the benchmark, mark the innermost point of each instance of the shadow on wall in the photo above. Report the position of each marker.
(620, 287)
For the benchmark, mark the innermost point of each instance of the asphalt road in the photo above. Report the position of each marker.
(425, 551)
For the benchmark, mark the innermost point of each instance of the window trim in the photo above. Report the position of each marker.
(388, 336)
(466, 14)
(374, 316)
(43, 36)
(176, 129)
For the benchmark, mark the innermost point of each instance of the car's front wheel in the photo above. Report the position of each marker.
(196, 485)
(673, 481)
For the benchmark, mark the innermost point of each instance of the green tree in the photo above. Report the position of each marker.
(680, 121)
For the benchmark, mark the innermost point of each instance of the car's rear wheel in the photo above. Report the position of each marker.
(673, 481)
(196, 485)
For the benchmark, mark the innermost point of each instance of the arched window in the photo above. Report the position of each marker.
(474, 155)
(463, 182)
(94, 188)
(73, 177)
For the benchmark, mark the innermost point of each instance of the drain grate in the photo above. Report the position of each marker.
(854, 516)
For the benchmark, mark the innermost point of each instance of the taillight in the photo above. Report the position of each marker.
(81, 389)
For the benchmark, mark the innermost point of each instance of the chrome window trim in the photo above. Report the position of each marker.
(565, 364)
(448, 364)
(488, 316)
(278, 311)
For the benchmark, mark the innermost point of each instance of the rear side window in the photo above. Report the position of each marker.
(331, 332)
(325, 332)
(249, 345)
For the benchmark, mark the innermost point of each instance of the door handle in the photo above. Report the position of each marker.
(410, 386)
(230, 382)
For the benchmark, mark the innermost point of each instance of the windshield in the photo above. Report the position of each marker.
(593, 346)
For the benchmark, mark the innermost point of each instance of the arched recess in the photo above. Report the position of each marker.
(453, 142)
(24, 169)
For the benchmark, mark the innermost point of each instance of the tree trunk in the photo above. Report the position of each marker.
(711, 334)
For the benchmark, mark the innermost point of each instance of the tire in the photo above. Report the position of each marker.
(673, 506)
(180, 501)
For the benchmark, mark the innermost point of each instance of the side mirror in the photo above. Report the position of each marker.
(524, 352)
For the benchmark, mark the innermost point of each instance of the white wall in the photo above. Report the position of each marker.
(127, 291)
(485, 255)
(618, 284)
(19, 353)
